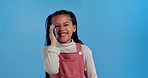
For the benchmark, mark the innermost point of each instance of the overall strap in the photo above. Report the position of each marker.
(79, 47)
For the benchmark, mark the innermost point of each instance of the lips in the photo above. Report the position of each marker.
(62, 34)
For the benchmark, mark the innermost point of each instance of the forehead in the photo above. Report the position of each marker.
(61, 18)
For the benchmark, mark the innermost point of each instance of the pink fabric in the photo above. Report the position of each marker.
(71, 64)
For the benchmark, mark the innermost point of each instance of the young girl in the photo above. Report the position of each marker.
(64, 55)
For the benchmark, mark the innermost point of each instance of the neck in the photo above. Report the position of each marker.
(65, 44)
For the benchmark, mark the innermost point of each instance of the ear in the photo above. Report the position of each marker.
(74, 28)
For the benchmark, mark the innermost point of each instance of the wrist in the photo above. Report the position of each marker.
(53, 44)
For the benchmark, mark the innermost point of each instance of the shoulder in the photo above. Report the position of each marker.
(44, 48)
(86, 50)
(50, 48)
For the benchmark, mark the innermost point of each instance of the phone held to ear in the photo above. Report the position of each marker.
(54, 32)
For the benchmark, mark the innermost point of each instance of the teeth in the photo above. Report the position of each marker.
(63, 34)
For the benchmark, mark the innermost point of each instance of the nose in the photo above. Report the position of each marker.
(62, 28)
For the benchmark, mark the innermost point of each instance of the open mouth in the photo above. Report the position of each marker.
(62, 34)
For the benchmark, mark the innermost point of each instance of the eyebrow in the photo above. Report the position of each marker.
(67, 22)
(64, 23)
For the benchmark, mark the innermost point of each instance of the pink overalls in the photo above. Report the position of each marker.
(71, 64)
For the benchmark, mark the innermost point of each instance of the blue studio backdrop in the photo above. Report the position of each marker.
(115, 30)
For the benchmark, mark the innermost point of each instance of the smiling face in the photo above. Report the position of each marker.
(64, 28)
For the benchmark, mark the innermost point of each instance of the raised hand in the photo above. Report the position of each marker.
(52, 36)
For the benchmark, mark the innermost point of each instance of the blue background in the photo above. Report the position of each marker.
(115, 30)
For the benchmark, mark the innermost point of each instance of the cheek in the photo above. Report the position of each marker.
(70, 30)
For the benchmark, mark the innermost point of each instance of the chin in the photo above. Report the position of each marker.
(63, 41)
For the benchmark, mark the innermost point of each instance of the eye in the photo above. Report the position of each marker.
(66, 25)
(56, 26)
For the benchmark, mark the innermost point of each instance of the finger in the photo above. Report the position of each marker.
(52, 27)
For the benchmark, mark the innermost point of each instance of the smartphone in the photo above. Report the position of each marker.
(54, 32)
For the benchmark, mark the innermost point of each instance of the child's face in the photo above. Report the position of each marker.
(64, 28)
